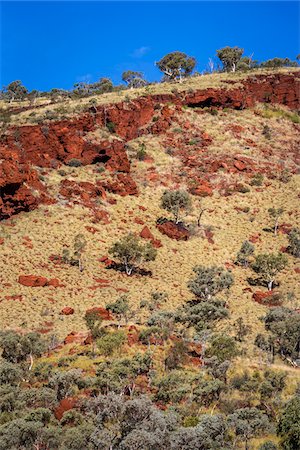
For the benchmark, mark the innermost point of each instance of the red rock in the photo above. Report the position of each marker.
(204, 189)
(297, 270)
(75, 338)
(102, 313)
(14, 297)
(146, 234)
(240, 165)
(54, 282)
(1, 241)
(122, 185)
(67, 311)
(33, 281)
(269, 298)
(65, 405)
(139, 221)
(174, 231)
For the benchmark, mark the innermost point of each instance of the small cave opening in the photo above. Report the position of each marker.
(102, 157)
(9, 190)
(207, 103)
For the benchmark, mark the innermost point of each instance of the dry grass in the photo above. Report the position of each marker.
(52, 227)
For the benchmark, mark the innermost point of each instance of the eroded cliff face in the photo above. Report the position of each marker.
(49, 145)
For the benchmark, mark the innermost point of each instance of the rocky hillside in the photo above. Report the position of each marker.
(78, 176)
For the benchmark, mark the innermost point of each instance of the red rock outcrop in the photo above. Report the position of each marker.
(53, 143)
(38, 281)
(269, 298)
(67, 311)
(146, 234)
(173, 231)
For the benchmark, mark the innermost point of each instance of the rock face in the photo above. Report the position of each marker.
(54, 143)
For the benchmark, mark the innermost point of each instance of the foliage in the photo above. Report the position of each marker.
(275, 213)
(74, 162)
(268, 265)
(202, 315)
(120, 308)
(230, 56)
(132, 253)
(294, 242)
(289, 425)
(246, 250)
(17, 347)
(134, 79)
(223, 347)
(209, 281)
(75, 258)
(94, 323)
(177, 203)
(111, 342)
(176, 65)
(14, 91)
(279, 62)
(248, 423)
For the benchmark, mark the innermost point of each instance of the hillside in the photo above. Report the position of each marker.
(99, 169)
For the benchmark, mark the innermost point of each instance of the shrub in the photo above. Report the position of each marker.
(74, 163)
(177, 203)
(294, 242)
(257, 179)
(246, 250)
(111, 126)
(141, 152)
(268, 266)
(210, 281)
(131, 252)
(111, 342)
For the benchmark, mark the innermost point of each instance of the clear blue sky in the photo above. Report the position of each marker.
(55, 44)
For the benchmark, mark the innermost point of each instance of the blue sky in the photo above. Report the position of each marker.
(55, 44)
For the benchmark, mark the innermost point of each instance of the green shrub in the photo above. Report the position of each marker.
(111, 126)
(111, 342)
(74, 163)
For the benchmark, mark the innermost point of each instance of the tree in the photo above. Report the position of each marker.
(230, 56)
(202, 315)
(284, 326)
(17, 348)
(275, 213)
(177, 203)
(93, 322)
(209, 281)
(132, 253)
(278, 62)
(246, 63)
(176, 65)
(134, 79)
(268, 266)
(268, 445)
(75, 258)
(248, 423)
(294, 242)
(15, 91)
(241, 329)
(223, 347)
(289, 425)
(110, 342)
(246, 250)
(120, 308)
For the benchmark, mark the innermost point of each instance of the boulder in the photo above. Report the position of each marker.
(67, 311)
(173, 230)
